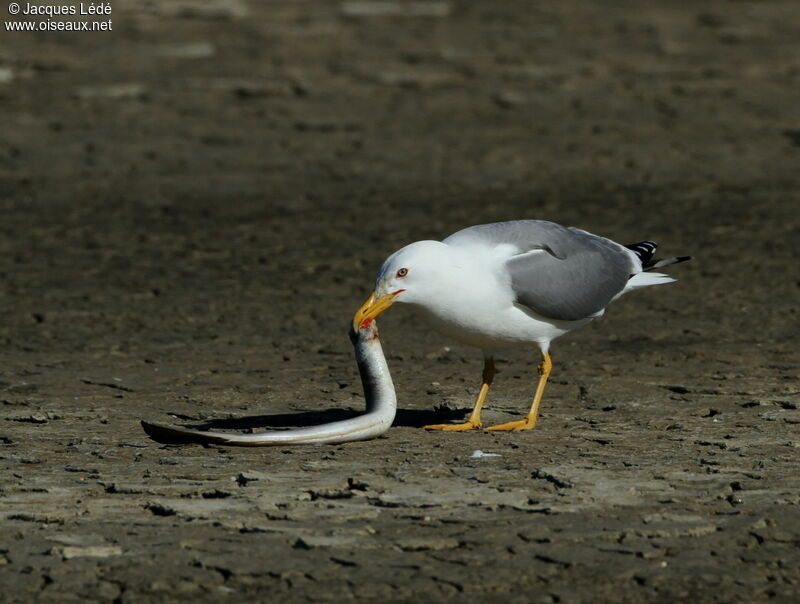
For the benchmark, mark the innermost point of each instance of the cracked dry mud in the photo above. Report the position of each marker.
(194, 204)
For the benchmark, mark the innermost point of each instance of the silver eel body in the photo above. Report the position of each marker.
(378, 392)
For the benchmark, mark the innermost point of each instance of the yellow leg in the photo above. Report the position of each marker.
(474, 420)
(530, 420)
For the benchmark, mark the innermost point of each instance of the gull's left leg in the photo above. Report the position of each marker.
(474, 420)
(530, 420)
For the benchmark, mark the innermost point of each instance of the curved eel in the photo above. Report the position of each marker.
(378, 391)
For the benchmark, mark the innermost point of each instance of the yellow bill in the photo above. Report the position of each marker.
(372, 308)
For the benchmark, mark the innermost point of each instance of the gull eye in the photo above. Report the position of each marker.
(402, 273)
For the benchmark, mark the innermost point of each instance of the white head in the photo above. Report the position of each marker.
(412, 275)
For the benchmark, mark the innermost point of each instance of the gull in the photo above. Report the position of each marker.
(508, 284)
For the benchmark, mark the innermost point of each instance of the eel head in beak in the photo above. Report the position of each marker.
(372, 308)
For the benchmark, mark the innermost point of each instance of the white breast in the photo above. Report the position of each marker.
(475, 305)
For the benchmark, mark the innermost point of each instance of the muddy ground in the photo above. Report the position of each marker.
(194, 204)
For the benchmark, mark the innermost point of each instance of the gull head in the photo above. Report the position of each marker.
(414, 274)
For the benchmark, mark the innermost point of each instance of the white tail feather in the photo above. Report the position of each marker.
(646, 280)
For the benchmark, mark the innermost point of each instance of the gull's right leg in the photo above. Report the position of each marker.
(529, 421)
(474, 420)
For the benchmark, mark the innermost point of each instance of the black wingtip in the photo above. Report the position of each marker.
(662, 262)
(645, 250)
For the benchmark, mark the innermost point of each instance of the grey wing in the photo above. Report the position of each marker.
(559, 272)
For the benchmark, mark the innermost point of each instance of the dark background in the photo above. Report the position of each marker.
(193, 205)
